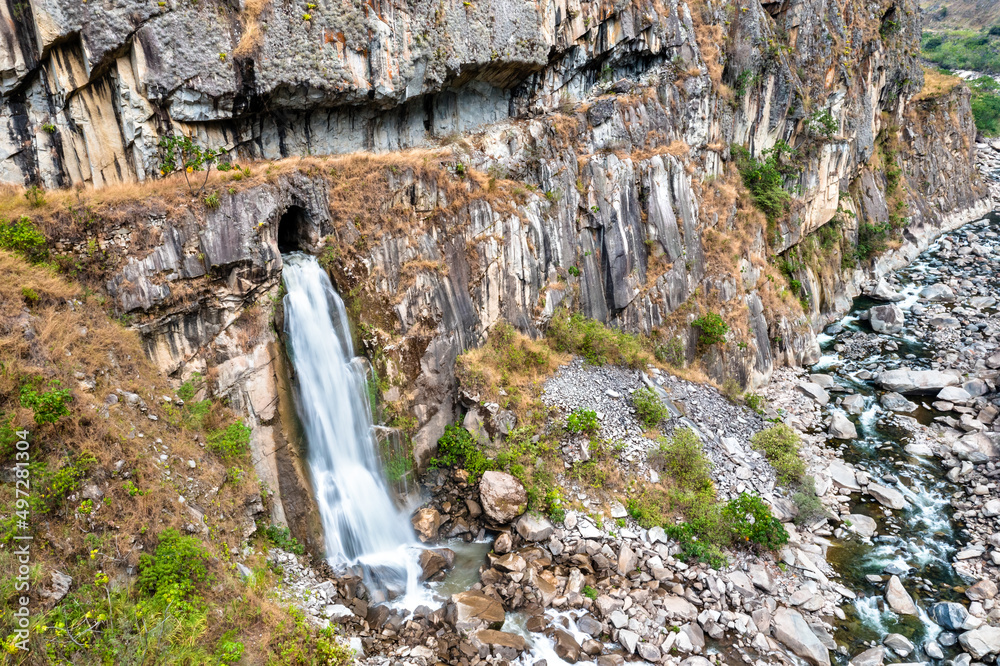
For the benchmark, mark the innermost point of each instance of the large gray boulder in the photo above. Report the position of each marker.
(898, 598)
(981, 642)
(815, 391)
(954, 394)
(882, 291)
(949, 615)
(886, 318)
(887, 496)
(841, 427)
(532, 527)
(873, 657)
(937, 293)
(502, 496)
(791, 629)
(905, 381)
(897, 403)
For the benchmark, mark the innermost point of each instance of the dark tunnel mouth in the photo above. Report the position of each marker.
(292, 229)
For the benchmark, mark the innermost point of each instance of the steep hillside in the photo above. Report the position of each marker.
(959, 14)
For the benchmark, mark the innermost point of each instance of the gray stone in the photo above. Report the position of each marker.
(908, 382)
(502, 496)
(862, 525)
(628, 640)
(898, 598)
(954, 394)
(948, 614)
(533, 527)
(982, 590)
(897, 403)
(791, 629)
(937, 293)
(854, 404)
(815, 391)
(886, 496)
(898, 644)
(873, 657)
(841, 427)
(981, 642)
(627, 560)
(886, 319)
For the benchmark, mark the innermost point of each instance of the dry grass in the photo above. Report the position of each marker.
(936, 84)
(253, 34)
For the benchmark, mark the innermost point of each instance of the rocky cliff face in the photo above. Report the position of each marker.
(570, 155)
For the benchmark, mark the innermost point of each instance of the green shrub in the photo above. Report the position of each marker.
(671, 353)
(228, 651)
(822, 123)
(694, 547)
(282, 538)
(808, 505)
(21, 237)
(986, 105)
(48, 406)
(188, 389)
(35, 196)
(180, 153)
(755, 401)
(456, 447)
(229, 442)
(29, 295)
(596, 343)
(749, 519)
(212, 200)
(681, 457)
(589, 592)
(765, 178)
(582, 420)
(649, 409)
(713, 329)
(177, 571)
(780, 445)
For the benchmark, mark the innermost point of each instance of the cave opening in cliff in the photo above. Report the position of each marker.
(292, 229)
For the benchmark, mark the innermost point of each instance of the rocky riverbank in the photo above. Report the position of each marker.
(899, 430)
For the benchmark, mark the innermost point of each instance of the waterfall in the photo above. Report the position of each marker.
(361, 523)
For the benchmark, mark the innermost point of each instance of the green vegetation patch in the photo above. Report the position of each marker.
(595, 342)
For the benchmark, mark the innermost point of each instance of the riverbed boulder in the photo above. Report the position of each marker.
(862, 525)
(899, 644)
(435, 561)
(906, 381)
(426, 522)
(898, 598)
(533, 527)
(883, 291)
(841, 427)
(791, 629)
(815, 391)
(897, 403)
(976, 447)
(854, 404)
(503, 497)
(948, 614)
(984, 589)
(887, 496)
(937, 293)
(566, 646)
(844, 476)
(886, 318)
(981, 642)
(473, 610)
(873, 657)
(954, 394)
(501, 639)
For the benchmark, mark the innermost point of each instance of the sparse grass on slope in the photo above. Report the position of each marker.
(102, 507)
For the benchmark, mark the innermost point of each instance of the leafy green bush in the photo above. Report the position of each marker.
(29, 295)
(189, 388)
(963, 49)
(589, 592)
(35, 196)
(180, 153)
(750, 520)
(582, 420)
(682, 458)
(872, 239)
(808, 505)
(231, 441)
(48, 406)
(457, 447)
(283, 539)
(755, 401)
(21, 237)
(986, 105)
(596, 343)
(765, 178)
(177, 571)
(780, 445)
(648, 407)
(671, 353)
(713, 329)
(822, 123)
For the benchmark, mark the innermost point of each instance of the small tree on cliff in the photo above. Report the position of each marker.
(180, 153)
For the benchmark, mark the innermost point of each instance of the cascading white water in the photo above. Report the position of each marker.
(361, 523)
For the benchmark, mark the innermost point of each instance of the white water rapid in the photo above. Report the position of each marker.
(362, 526)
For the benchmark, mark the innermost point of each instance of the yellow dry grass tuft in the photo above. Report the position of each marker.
(936, 84)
